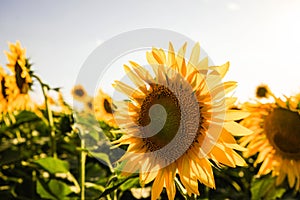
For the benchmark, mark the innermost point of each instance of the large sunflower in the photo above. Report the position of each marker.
(20, 82)
(178, 121)
(103, 108)
(276, 138)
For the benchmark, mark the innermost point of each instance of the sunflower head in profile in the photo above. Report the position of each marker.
(177, 121)
(3, 93)
(20, 82)
(104, 108)
(276, 138)
(79, 93)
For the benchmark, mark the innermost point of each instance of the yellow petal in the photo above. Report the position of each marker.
(180, 56)
(194, 58)
(124, 88)
(232, 115)
(171, 62)
(291, 174)
(169, 181)
(236, 129)
(203, 64)
(219, 155)
(143, 73)
(158, 184)
(134, 78)
(221, 69)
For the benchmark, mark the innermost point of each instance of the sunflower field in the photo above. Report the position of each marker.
(178, 135)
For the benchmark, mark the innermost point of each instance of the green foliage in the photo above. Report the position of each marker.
(82, 164)
(265, 188)
(53, 165)
(53, 189)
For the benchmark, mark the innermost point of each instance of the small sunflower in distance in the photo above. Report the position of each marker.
(263, 91)
(104, 108)
(79, 93)
(20, 82)
(178, 121)
(89, 104)
(276, 138)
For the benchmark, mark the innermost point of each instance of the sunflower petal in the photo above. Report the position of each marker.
(236, 129)
(158, 185)
(221, 69)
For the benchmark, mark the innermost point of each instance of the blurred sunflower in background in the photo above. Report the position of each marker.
(263, 91)
(79, 93)
(3, 93)
(276, 137)
(198, 128)
(104, 108)
(89, 104)
(19, 83)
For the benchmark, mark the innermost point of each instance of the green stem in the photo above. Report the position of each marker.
(50, 116)
(82, 168)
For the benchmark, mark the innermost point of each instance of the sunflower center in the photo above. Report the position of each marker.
(107, 106)
(164, 97)
(3, 88)
(90, 105)
(283, 131)
(261, 91)
(21, 82)
(79, 92)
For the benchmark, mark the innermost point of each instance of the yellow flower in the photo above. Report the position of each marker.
(276, 138)
(178, 121)
(89, 104)
(79, 93)
(20, 82)
(3, 93)
(263, 91)
(104, 108)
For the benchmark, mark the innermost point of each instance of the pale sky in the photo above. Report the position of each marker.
(260, 38)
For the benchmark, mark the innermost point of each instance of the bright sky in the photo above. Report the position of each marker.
(260, 38)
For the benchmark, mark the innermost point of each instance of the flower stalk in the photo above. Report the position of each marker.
(45, 89)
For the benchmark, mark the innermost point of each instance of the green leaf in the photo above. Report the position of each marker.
(54, 189)
(21, 118)
(115, 186)
(130, 184)
(26, 116)
(53, 165)
(265, 188)
(102, 156)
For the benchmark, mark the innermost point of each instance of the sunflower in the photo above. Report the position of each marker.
(79, 93)
(3, 93)
(20, 82)
(276, 138)
(104, 108)
(178, 121)
(263, 91)
(89, 104)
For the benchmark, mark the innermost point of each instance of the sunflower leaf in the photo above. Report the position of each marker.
(115, 186)
(265, 188)
(54, 189)
(53, 165)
